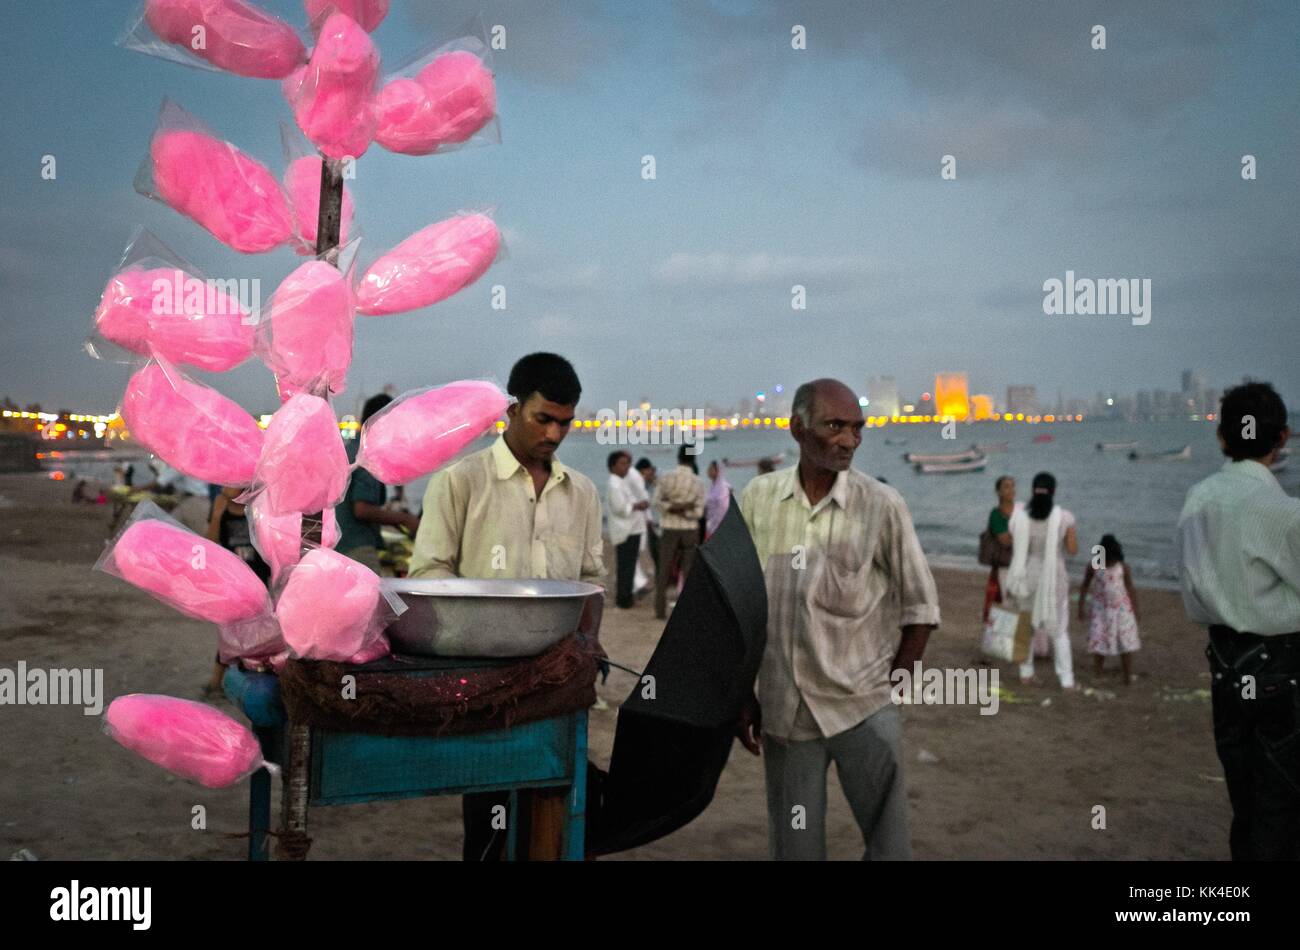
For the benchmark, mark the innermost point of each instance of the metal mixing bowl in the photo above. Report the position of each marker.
(460, 616)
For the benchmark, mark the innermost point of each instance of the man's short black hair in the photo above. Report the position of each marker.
(374, 404)
(643, 463)
(686, 455)
(546, 373)
(614, 457)
(1251, 419)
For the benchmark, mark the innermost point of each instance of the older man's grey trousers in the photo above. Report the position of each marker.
(869, 762)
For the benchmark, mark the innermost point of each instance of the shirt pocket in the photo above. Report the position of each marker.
(840, 589)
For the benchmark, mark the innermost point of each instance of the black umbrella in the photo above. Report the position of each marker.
(675, 731)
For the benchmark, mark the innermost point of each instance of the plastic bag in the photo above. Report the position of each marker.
(187, 738)
(189, 573)
(332, 97)
(306, 336)
(223, 34)
(430, 265)
(278, 538)
(233, 196)
(443, 105)
(333, 608)
(303, 466)
(156, 304)
(191, 427)
(368, 13)
(422, 430)
(302, 183)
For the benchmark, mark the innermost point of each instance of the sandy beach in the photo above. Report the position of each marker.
(1021, 784)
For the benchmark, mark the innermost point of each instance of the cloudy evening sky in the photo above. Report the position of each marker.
(774, 166)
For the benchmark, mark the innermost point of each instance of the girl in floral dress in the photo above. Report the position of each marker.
(1109, 594)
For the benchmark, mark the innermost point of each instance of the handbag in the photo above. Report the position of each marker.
(992, 552)
(1007, 635)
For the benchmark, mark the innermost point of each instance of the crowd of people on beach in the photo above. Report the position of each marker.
(851, 598)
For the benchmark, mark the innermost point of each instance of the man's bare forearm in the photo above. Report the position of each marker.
(912, 645)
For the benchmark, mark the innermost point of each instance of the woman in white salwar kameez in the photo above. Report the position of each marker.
(1042, 534)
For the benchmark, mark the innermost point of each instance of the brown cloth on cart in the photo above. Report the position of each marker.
(431, 696)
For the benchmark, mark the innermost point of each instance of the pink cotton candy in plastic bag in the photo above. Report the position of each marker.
(447, 102)
(189, 739)
(237, 36)
(225, 191)
(191, 427)
(196, 576)
(303, 466)
(308, 336)
(302, 181)
(417, 434)
(278, 538)
(368, 13)
(156, 310)
(329, 608)
(332, 96)
(430, 265)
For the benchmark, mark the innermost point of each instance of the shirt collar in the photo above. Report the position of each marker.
(839, 492)
(1249, 468)
(507, 464)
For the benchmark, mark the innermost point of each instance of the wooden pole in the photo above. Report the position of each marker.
(294, 842)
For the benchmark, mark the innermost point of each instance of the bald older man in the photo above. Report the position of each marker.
(844, 573)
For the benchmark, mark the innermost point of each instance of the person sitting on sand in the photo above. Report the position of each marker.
(1109, 593)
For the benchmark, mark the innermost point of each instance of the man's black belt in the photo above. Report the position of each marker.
(1219, 630)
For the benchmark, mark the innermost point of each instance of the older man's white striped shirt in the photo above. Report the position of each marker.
(842, 577)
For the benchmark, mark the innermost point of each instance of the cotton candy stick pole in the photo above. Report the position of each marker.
(294, 841)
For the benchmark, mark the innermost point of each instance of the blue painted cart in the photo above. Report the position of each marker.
(338, 768)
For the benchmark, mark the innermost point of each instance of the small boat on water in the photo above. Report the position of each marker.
(1171, 455)
(969, 455)
(1044, 438)
(951, 468)
(776, 459)
(1116, 446)
(895, 442)
(988, 448)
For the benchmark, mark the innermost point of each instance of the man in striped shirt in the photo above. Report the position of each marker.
(1239, 538)
(679, 496)
(844, 573)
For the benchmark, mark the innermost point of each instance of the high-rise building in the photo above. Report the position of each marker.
(981, 406)
(882, 396)
(1022, 399)
(951, 395)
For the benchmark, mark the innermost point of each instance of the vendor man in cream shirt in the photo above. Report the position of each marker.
(513, 510)
(845, 573)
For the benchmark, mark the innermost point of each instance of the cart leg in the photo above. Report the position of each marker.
(259, 815)
(575, 832)
(512, 824)
(294, 842)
